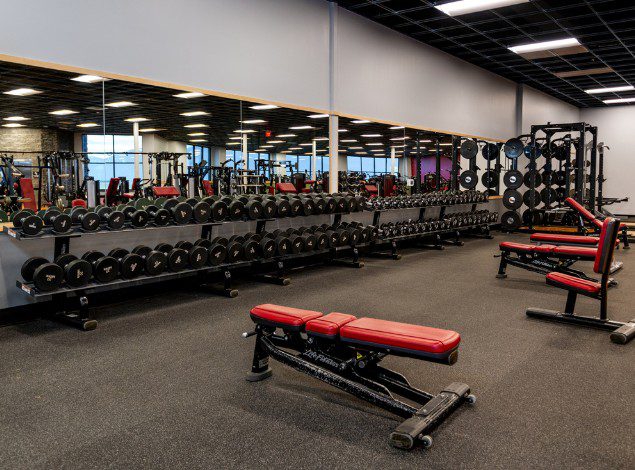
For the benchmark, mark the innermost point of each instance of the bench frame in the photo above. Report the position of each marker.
(356, 370)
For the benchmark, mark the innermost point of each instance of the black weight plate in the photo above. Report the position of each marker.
(156, 262)
(513, 179)
(469, 148)
(198, 257)
(549, 194)
(534, 217)
(31, 224)
(296, 207)
(220, 240)
(234, 252)
(48, 277)
(341, 204)
(468, 179)
(532, 177)
(131, 266)
(560, 177)
(559, 152)
(529, 194)
(527, 151)
(92, 256)
(297, 244)
(177, 258)
(103, 211)
(310, 241)
(320, 205)
(191, 201)
(236, 209)
(204, 242)
(29, 267)
(284, 208)
(254, 209)
(330, 205)
(562, 194)
(19, 217)
(164, 247)
(142, 250)
(250, 250)
(283, 245)
(513, 148)
(322, 241)
(267, 248)
(182, 213)
(77, 213)
(547, 177)
(201, 212)
(219, 211)
(217, 254)
(490, 178)
(106, 269)
(63, 259)
(490, 151)
(512, 199)
(78, 272)
(354, 236)
(118, 253)
(344, 237)
(90, 222)
(269, 209)
(510, 220)
(115, 220)
(544, 150)
(308, 206)
(61, 223)
(170, 204)
(333, 238)
(187, 246)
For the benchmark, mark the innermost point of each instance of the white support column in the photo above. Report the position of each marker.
(245, 150)
(313, 160)
(135, 135)
(393, 165)
(333, 153)
(217, 155)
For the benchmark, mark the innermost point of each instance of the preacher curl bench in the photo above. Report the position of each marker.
(621, 332)
(345, 352)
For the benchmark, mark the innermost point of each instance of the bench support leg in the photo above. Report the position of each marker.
(76, 318)
(502, 266)
(260, 365)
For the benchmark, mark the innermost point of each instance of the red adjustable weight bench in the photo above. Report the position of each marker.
(622, 333)
(345, 352)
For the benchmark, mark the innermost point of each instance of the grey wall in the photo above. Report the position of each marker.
(615, 129)
(540, 108)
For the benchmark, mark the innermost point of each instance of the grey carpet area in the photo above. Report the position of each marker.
(160, 383)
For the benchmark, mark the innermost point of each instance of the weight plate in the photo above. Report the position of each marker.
(118, 253)
(31, 225)
(61, 223)
(547, 177)
(115, 220)
(217, 254)
(269, 209)
(191, 201)
(234, 252)
(283, 245)
(92, 256)
(330, 205)
(142, 203)
(559, 152)
(201, 212)
(561, 194)
(529, 195)
(139, 218)
(490, 151)
(532, 179)
(320, 206)
(131, 266)
(469, 149)
(560, 177)
(106, 269)
(204, 242)
(513, 179)
(250, 250)
(90, 222)
(512, 199)
(297, 244)
(513, 148)
(549, 194)
(103, 211)
(29, 267)
(219, 211)
(48, 277)
(170, 204)
(308, 206)
(510, 220)
(534, 217)
(254, 209)
(18, 218)
(182, 213)
(78, 272)
(490, 178)
(221, 241)
(296, 207)
(236, 209)
(310, 241)
(198, 257)
(469, 179)
(160, 201)
(177, 259)
(527, 151)
(156, 262)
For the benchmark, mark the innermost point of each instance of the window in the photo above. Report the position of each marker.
(111, 156)
(354, 164)
(381, 165)
(368, 165)
(304, 164)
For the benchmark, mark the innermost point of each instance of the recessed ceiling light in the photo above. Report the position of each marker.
(63, 112)
(150, 129)
(360, 121)
(262, 107)
(306, 144)
(22, 92)
(374, 144)
(320, 151)
(397, 127)
(610, 90)
(195, 113)
(371, 135)
(446, 145)
(194, 126)
(318, 116)
(620, 100)
(400, 138)
(236, 137)
(276, 142)
(198, 140)
(88, 124)
(297, 128)
(321, 138)
(13, 124)
(16, 118)
(544, 46)
(260, 150)
(355, 148)
(243, 131)
(232, 143)
(376, 150)
(194, 134)
(342, 130)
(120, 104)
(348, 140)
(425, 141)
(397, 146)
(295, 148)
(463, 7)
(254, 121)
(267, 146)
(189, 94)
(89, 79)
(361, 153)
(137, 119)
(287, 135)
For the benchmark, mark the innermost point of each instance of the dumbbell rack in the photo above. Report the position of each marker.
(436, 235)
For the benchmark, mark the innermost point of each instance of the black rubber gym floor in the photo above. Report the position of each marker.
(160, 383)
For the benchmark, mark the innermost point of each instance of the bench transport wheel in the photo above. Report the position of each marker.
(471, 399)
(426, 441)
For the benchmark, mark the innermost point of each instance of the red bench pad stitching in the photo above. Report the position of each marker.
(329, 325)
(284, 315)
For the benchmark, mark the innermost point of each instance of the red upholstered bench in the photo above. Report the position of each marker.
(344, 351)
(165, 191)
(556, 238)
(286, 188)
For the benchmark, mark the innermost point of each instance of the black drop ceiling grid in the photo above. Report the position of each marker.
(605, 27)
(163, 110)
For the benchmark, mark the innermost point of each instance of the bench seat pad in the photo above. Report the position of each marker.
(581, 251)
(560, 238)
(282, 317)
(329, 325)
(566, 281)
(399, 336)
(526, 248)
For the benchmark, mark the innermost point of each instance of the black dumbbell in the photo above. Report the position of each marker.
(282, 243)
(29, 224)
(197, 254)
(130, 264)
(177, 257)
(181, 211)
(58, 221)
(235, 207)
(88, 221)
(201, 210)
(77, 272)
(105, 268)
(155, 262)
(46, 277)
(160, 216)
(216, 252)
(114, 219)
(138, 218)
(220, 210)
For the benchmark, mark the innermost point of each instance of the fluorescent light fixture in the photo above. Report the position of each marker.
(236, 137)
(260, 150)
(189, 94)
(150, 129)
(13, 124)
(16, 118)
(545, 46)
(397, 146)
(620, 100)
(286, 151)
(88, 124)
(196, 134)
(137, 119)
(89, 79)
(425, 141)
(307, 144)
(400, 138)
(446, 145)
(232, 143)
(242, 131)
(321, 139)
(194, 113)
(320, 151)
(300, 128)
(318, 116)
(464, 7)
(22, 92)
(374, 144)
(348, 140)
(254, 121)
(360, 121)
(263, 107)
(361, 153)
(287, 135)
(267, 146)
(610, 90)
(120, 104)
(275, 142)
(198, 140)
(63, 112)
(376, 150)
(397, 127)
(194, 126)
(342, 130)
(371, 135)
(355, 148)
(295, 148)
